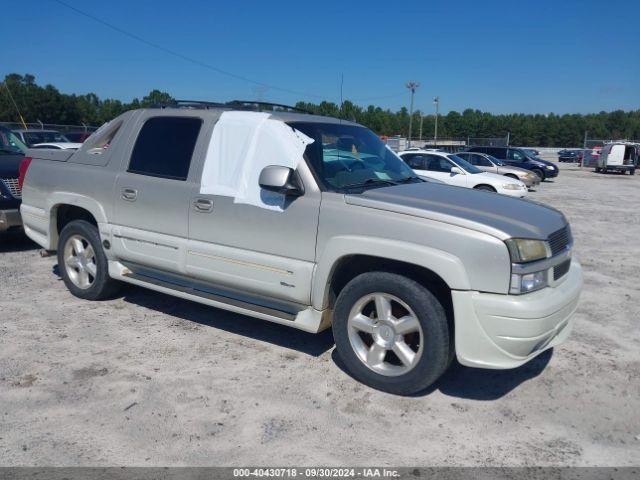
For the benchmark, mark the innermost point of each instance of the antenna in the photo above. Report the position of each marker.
(341, 97)
(15, 105)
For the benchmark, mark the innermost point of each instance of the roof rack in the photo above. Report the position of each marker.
(233, 104)
(255, 105)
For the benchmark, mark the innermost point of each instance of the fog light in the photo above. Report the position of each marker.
(528, 282)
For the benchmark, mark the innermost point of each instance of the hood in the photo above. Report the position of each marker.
(10, 165)
(496, 177)
(511, 169)
(498, 215)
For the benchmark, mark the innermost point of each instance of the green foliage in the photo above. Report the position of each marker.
(48, 105)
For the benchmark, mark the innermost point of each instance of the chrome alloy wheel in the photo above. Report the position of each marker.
(385, 334)
(80, 261)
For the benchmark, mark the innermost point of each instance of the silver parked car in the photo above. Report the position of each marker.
(309, 222)
(491, 164)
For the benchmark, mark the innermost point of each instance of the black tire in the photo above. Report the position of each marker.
(102, 286)
(598, 169)
(437, 344)
(539, 172)
(632, 171)
(485, 188)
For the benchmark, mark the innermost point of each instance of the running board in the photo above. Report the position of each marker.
(211, 293)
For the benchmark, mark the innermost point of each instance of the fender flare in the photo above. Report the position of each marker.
(57, 199)
(442, 263)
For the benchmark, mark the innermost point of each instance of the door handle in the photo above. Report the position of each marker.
(129, 194)
(202, 205)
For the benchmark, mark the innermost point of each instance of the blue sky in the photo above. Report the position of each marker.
(516, 56)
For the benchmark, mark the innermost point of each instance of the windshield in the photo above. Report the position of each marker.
(10, 143)
(462, 163)
(498, 162)
(348, 156)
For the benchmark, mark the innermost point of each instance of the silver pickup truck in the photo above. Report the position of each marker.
(409, 274)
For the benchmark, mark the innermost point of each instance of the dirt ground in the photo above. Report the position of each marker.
(147, 379)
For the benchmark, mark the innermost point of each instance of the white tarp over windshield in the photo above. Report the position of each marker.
(242, 144)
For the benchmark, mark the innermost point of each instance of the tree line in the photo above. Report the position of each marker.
(48, 105)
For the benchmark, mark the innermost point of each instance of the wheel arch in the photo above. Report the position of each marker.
(486, 185)
(64, 209)
(346, 257)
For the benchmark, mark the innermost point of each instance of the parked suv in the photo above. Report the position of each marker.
(517, 157)
(11, 154)
(309, 222)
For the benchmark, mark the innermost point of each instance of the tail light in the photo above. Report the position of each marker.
(24, 166)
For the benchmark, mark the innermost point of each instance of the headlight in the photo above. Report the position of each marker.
(528, 282)
(523, 250)
(549, 167)
(511, 186)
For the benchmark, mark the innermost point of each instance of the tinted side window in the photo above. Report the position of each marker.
(165, 146)
(499, 153)
(479, 161)
(439, 164)
(414, 161)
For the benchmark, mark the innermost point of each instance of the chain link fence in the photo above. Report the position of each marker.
(62, 128)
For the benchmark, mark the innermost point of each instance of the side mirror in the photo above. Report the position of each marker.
(456, 171)
(283, 180)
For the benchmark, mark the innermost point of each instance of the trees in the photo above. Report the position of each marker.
(47, 104)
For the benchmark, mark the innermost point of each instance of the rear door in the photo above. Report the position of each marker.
(153, 189)
(616, 155)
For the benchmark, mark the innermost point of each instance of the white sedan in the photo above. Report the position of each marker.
(58, 145)
(453, 170)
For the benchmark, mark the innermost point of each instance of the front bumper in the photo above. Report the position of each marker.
(506, 331)
(551, 173)
(520, 193)
(9, 218)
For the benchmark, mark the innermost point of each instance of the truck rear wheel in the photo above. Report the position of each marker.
(391, 333)
(82, 262)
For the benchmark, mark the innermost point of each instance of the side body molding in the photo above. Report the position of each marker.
(447, 266)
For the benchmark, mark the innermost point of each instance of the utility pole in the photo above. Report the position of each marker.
(436, 100)
(412, 87)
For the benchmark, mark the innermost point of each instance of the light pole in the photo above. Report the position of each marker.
(411, 86)
(436, 100)
(421, 120)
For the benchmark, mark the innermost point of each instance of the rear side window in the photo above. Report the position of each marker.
(165, 146)
(414, 161)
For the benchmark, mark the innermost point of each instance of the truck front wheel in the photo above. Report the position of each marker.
(82, 262)
(391, 332)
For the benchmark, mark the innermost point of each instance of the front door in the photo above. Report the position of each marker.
(267, 253)
(152, 193)
(439, 167)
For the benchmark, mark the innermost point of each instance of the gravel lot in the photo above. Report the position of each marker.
(148, 379)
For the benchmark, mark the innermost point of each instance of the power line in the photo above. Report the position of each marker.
(182, 56)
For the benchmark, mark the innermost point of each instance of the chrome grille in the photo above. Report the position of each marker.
(13, 186)
(560, 270)
(559, 240)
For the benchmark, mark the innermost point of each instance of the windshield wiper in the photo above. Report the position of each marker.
(370, 181)
(408, 179)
